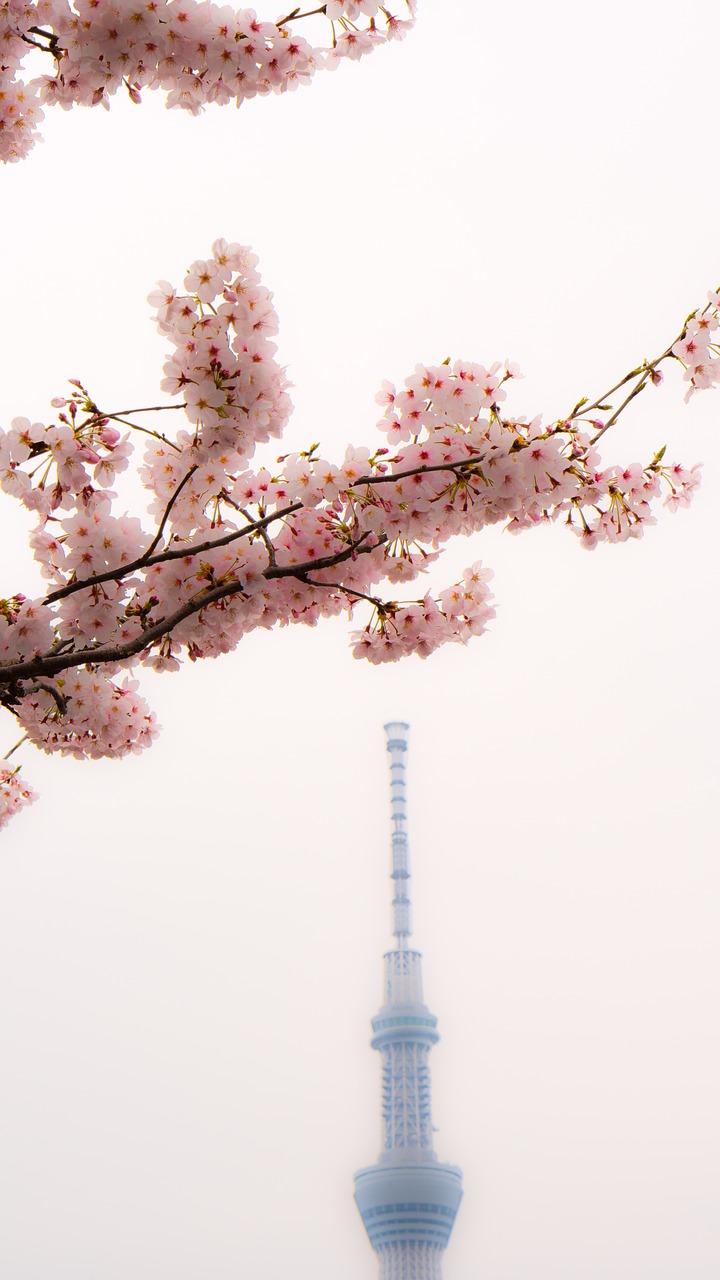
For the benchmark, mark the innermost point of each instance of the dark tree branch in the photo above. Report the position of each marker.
(356, 548)
(52, 47)
(44, 48)
(60, 701)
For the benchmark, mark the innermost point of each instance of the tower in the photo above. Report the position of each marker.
(408, 1199)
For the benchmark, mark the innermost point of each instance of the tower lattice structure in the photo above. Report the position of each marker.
(408, 1199)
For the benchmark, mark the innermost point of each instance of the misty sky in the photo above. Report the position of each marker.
(191, 940)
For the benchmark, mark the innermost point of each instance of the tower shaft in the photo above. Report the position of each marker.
(407, 1200)
(404, 1031)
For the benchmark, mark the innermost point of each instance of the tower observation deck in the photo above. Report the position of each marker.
(408, 1199)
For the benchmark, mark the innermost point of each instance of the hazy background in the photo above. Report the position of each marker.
(191, 940)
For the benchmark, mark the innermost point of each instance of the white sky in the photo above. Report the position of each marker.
(191, 940)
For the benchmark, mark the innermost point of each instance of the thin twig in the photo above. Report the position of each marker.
(296, 15)
(340, 586)
(153, 408)
(12, 750)
(115, 417)
(269, 545)
(640, 386)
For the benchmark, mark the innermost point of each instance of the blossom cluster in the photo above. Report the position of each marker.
(698, 349)
(14, 794)
(198, 53)
(236, 545)
(461, 611)
(89, 717)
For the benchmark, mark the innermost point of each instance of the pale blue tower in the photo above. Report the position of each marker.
(407, 1200)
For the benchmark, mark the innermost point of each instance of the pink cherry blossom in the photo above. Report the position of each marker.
(15, 794)
(231, 542)
(195, 52)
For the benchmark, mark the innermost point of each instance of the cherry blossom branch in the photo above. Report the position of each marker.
(198, 52)
(119, 573)
(257, 526)
(382, 513)
(172, 553)
(691, 348)
(95, 655)
(56, 49)
(642, 382)
(13, 673)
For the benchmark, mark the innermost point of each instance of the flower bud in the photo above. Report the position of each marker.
(87, 454)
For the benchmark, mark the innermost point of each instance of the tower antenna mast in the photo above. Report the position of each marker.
(408, 1199)
(397, 745)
